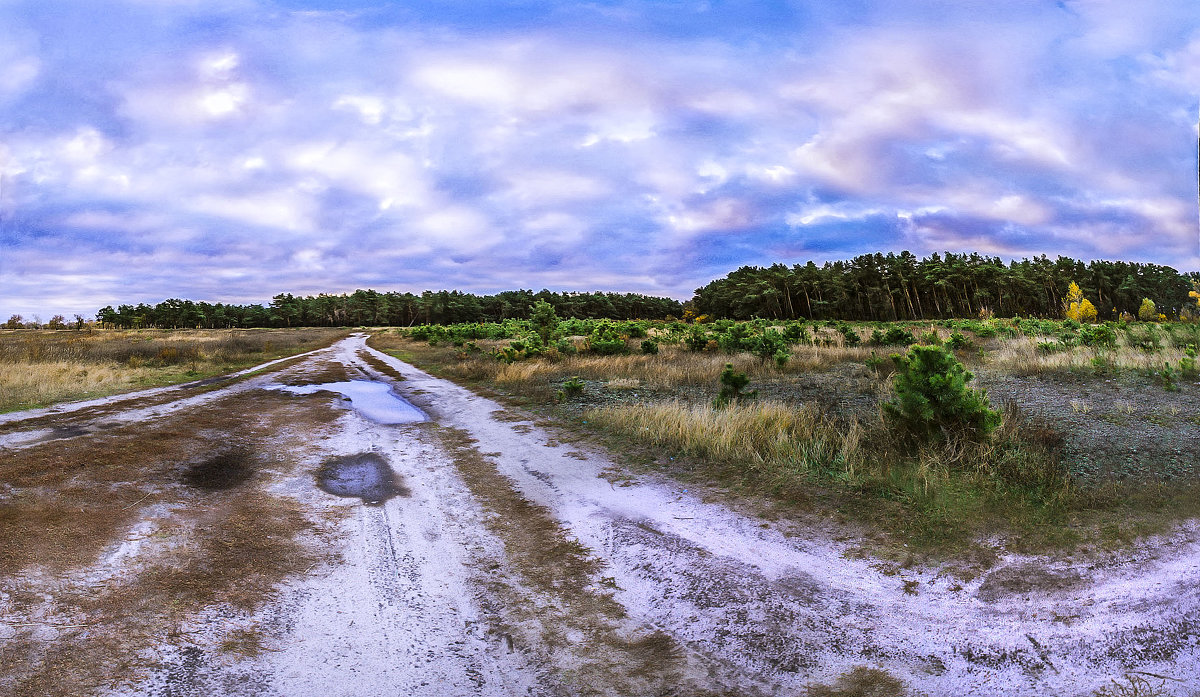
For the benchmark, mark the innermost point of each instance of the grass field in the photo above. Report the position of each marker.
(39, 367)
(1097, 445)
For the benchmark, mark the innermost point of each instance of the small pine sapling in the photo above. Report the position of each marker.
(571, 388)
(769, 345)
(543, 320)
(1187, 364)
(932, 400)
(732, 383)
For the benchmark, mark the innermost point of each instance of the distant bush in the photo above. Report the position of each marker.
(606, 341)
(894, 336)
(958, 341)
(1187, 364)
(932, 400)
(696, 339)
(769, 345)
(1098, 335)
(795, 333)
(650, 347)
(736, 338)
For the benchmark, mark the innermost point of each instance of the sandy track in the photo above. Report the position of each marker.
(441, 592)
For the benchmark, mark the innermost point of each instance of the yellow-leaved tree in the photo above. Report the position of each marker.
(1147, 312)
(1077, 307)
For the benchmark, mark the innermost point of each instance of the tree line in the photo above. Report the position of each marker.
(870, 287)
(372, 308)
(878, 287)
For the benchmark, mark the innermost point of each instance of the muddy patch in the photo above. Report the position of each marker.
(1024, 579)
(366, 476)
(222, 471)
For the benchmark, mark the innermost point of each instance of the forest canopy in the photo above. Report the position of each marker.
(871, 287)
(372, 308)
(903, 287)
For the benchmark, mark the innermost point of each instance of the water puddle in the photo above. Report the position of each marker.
(365, 475)
(374, 400)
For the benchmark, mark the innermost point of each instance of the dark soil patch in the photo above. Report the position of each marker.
(1025, 579)
(222, 471)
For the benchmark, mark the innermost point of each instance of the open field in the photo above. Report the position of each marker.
(1100, 439)
(39, 367)
(614, 535)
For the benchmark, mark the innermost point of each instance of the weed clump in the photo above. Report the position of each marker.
(932, 401)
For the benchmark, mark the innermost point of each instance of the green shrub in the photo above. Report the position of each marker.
(607, 341)
(573, 387)
(650, 347)
(735, 339)
(1098, 335)
(852, 337)
(1168, 378)
(768, 345)
(894, 336)
(566, 347)
(932, 400)
(543, 320)
(732, 383)
(1187, 364)
(958, 341)
(796, 333)
(696, 339)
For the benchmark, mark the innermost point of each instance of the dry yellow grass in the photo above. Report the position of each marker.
(1020, 355)
(27, 384)
(43, 367)
(778, 441)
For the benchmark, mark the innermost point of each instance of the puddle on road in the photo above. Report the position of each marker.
(374, 400)
(365, 475)
(220, 472)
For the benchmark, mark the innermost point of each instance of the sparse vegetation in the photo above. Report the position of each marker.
(936, 471)
(42, 367)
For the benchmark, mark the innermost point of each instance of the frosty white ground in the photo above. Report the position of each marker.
(752, 607)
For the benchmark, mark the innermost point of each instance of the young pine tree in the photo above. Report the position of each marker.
(932, 400)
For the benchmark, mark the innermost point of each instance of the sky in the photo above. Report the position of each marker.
(230, 150)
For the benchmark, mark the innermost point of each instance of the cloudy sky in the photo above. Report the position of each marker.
(228, 150)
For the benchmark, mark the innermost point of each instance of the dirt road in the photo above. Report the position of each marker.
(507, 562)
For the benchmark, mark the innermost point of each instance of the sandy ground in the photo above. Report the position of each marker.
(516, 564)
